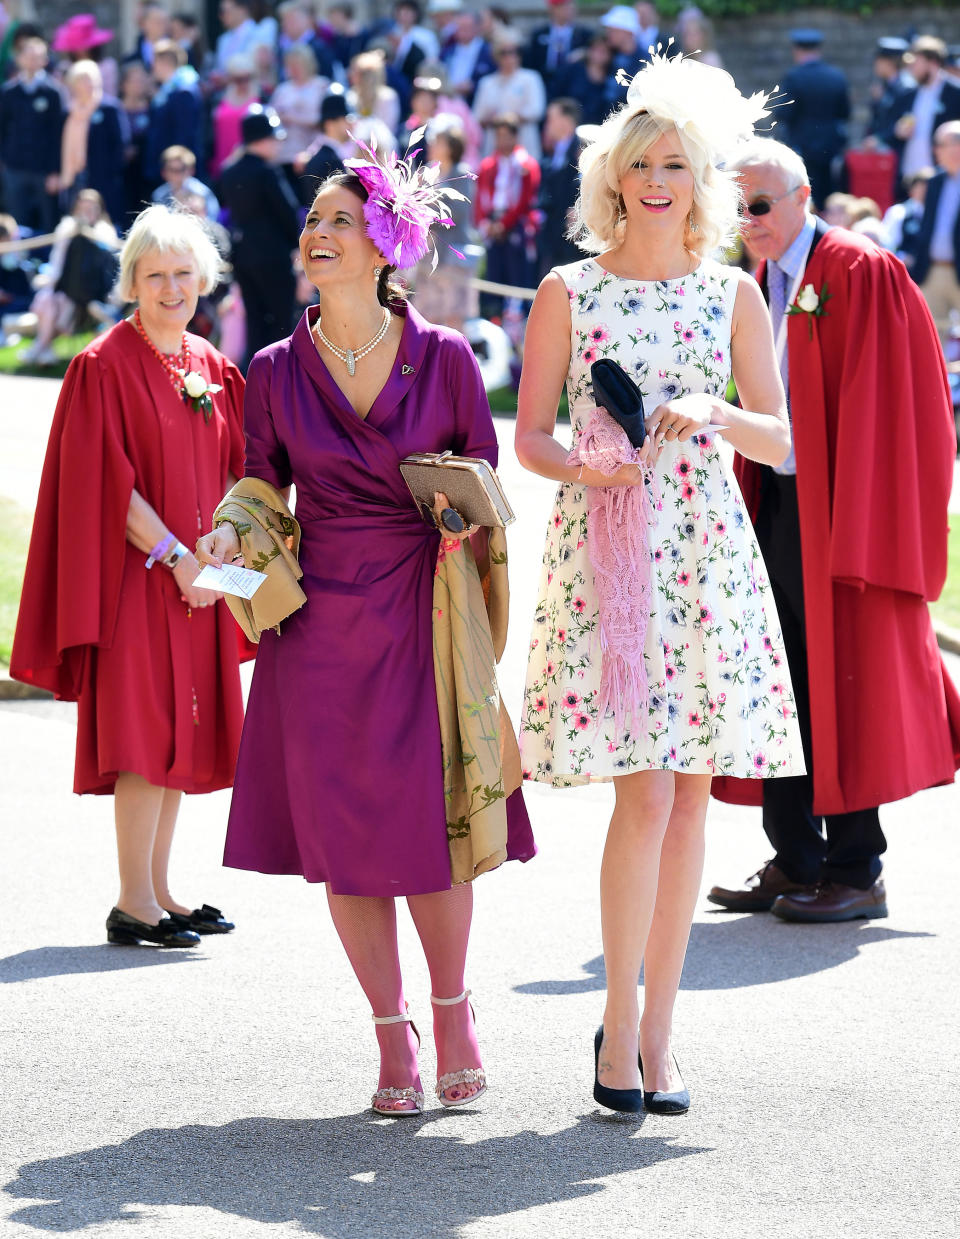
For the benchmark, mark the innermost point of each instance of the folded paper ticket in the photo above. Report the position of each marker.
(230, 579)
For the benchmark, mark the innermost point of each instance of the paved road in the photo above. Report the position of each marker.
(221, 1093)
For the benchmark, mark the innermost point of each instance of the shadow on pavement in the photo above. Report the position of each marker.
(64, 961)
(346, 1177)
(731, 952)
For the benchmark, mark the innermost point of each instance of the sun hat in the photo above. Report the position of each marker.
(621, 17)
(79, 33)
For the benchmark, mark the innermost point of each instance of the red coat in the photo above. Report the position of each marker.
(158, 692)
(875, 444)
(521, 209)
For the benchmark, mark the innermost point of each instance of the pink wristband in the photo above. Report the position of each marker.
(161, 549)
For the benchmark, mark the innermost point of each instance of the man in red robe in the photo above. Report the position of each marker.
(853, 529)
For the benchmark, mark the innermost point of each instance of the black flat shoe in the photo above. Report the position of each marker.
(666, 1103)
(205, 920)
(626, 1100)
(128, 931)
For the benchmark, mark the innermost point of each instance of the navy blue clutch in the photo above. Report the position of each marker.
(615, 391)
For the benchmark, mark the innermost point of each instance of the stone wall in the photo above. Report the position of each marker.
(756, 50)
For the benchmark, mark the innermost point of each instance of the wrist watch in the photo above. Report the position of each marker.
(171, 559)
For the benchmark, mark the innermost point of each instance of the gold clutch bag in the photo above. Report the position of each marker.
(471, 485)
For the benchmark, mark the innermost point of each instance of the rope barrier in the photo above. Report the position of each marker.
(26, 243)
(33, 243)
(483, 286)
(503, 290)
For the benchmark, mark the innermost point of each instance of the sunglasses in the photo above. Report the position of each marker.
(763, 206)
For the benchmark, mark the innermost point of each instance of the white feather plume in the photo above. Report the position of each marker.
(700, 100)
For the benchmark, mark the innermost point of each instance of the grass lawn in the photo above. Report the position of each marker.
(504, 401)
(66, 348)
(947, 607)
(15, 525)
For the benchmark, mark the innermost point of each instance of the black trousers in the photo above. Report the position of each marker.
(268, 290)
(507, 263)
(843, 847)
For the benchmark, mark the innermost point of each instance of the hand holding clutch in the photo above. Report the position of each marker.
(468, 485)
(449, 521)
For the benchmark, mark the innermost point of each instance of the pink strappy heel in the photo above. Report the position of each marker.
(469, 1075)
(388, 1096)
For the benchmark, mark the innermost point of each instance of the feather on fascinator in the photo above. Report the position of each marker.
(701, 101)
(404, 202)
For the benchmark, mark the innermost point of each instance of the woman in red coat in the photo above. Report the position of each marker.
(147, 436)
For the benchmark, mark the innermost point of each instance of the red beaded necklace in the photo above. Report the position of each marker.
(176, 366)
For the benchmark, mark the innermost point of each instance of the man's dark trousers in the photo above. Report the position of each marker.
(850, 853)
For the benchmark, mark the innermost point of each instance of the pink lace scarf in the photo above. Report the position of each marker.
(618, 521)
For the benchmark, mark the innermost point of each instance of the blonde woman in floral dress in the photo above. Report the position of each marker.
(653, 206)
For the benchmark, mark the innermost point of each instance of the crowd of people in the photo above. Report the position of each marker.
(286, 94)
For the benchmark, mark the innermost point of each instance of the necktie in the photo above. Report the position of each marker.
(557, 49)
(777, 290)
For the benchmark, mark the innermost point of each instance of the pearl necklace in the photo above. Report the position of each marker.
(352, 356)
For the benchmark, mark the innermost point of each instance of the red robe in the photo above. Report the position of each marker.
(874, 440)
(158, 691)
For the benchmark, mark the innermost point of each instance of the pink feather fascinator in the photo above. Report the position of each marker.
(405, 202)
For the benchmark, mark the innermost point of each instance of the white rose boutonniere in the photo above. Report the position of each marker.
(197, 392)
(811, 303)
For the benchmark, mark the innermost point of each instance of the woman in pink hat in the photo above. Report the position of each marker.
(80, 38)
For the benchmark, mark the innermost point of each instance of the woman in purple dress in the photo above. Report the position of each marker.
(340, 772)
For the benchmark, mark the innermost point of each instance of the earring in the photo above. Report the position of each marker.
(692, 223)
(621, 209)
(377, 272)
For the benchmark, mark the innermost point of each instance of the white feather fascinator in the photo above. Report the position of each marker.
(699, 100)
(712, 117)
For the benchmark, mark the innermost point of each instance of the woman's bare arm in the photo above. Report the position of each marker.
(546, 360)
(759, 428)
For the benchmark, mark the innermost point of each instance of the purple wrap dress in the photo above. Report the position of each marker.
(339, 776)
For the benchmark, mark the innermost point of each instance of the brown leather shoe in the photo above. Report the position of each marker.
(831, 901)
(759, 893)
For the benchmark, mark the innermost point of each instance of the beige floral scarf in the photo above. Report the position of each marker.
(481, 760)
(270, 539)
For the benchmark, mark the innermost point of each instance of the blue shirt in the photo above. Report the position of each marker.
(792, 262)
(941, 243)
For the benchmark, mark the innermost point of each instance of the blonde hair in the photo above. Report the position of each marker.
(621, 142)
(84, 71)
(159, 229)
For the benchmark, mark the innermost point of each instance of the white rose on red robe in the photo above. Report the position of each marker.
(194, 384)
(809, 299)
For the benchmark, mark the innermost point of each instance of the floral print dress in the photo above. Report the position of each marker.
(720, 698)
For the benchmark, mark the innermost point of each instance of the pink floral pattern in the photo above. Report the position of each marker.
(720, 698)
